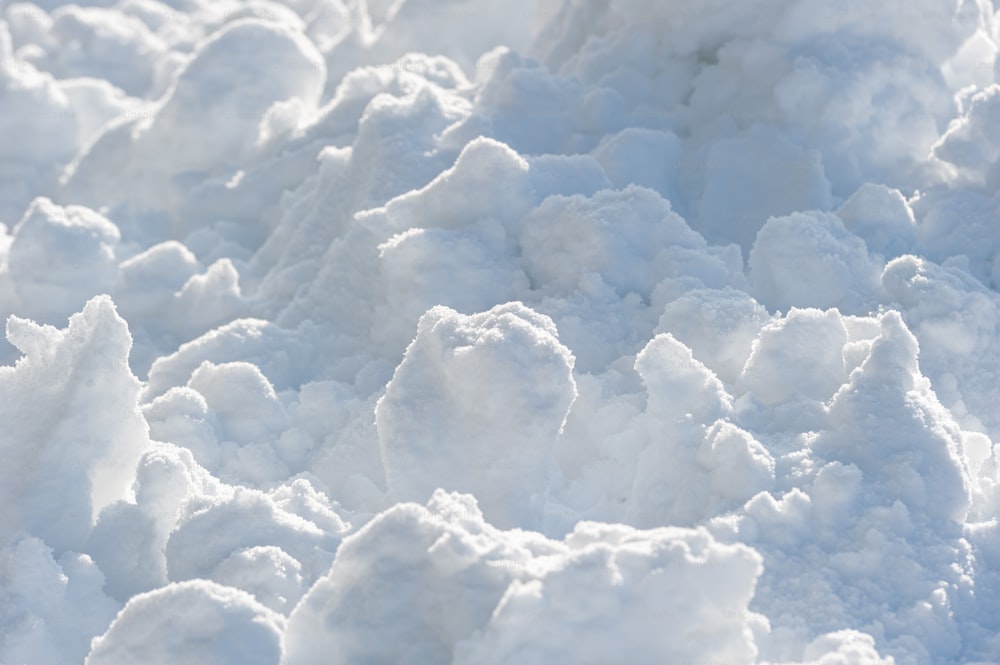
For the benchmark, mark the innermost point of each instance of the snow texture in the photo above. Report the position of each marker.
(547, 331)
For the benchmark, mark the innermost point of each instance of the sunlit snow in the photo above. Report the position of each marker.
(591, 332)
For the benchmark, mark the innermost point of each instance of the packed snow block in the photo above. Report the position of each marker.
(52, 608)
(678, 386)
(210, 529)
(377, 114)
(438, 584)
(488, 180)
(409, 585)
(616, 45)
(74, 431)
(624, 236)
(797, 357)
(754, 177)
(149, 281)
(882, 218)
(512, 87)
(889, 424)
(130, 536)
(207, 300)
(242, 400)
(970, 145)
(396, 150)
(694, 464)
(718, 325)
(877, 536)
(449, 242)
(958, 230)
(61, 257)
(469, 271)
(207, 123)
(600, 443)
(233, 422)
(268, 573)
(618, 595)
(952, 314)
(476, 406)
(284, 356)
(213, 109)
(198, 622)
(954, 317)
(811, 260)
(181, 416)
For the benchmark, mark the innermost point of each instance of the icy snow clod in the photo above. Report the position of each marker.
(421, 585)
(61, 257)
(693, 463)
(622, 595)
(409, 585)
(800, 356)
(52, 606)
(888, 422)
(461, 413)
(198, 622)
(210, 116)
(74, 429)
(810, 259)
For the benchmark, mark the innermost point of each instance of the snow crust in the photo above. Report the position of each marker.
(552, 331)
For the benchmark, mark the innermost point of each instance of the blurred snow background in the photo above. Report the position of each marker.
(476, 332)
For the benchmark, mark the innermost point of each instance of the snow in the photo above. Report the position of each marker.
(441, 331)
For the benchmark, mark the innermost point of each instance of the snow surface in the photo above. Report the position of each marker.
(479, 332)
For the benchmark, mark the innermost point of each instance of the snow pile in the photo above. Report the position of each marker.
(417, 585)
(443, 331)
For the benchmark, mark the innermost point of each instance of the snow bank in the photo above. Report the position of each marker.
(491, 596)
(483, 332)
(75, 430)
(198, 621)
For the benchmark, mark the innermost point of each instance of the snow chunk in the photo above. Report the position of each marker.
(211, 529)
(197, 622)
(693, 464)
(888, 423)
(50, 608)
(476, 406)
(625, 236)
(60, 257)
(409, 585)
(970, 145)
(719, 326)
(810, 259)
(882, 217)
(800, 356)
(210, 116)
(438, 584)
(282, 355)
(74, 430)
(621, 595)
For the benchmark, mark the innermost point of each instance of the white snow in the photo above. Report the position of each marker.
(472, 332)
